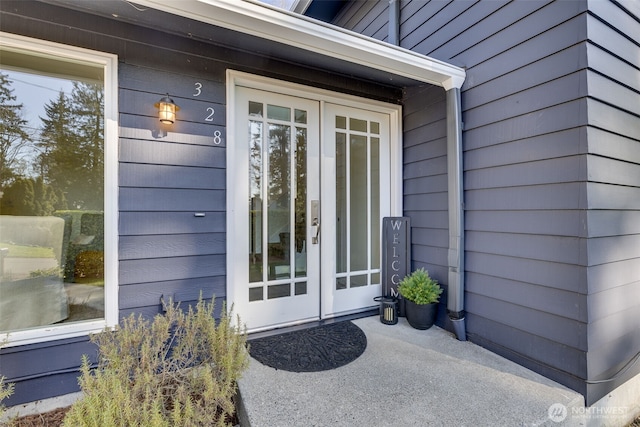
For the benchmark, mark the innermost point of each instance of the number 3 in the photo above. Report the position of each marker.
(198, 89)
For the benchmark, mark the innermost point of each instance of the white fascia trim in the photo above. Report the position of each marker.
(295, 30)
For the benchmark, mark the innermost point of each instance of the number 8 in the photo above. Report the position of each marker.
(217, 137)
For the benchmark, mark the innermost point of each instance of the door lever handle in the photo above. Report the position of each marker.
(316, 224)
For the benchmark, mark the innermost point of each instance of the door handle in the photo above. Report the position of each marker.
(315, 224)
(315, 220)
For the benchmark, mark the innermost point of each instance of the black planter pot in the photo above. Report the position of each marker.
(421, 316)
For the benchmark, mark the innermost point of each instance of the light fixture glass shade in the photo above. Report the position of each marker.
(167, 110)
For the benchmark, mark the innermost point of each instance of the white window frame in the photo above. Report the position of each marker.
(109, 62)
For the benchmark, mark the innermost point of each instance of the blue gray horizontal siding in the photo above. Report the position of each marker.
(167, 175)
(525, 170)
(425, 178)
(613, 190)
(370, 18)
(551, 112)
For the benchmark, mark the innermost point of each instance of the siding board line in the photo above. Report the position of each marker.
(568, 277)
(155, 223)
(568, 34)
(169, 176)
(563, 143)
(550, 18)
(171, 268)
(171, 153)
(171, 199)
(554, 301)
(548, 326)
(555, 92)
(161, 246)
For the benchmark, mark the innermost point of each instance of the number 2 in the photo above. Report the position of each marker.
(211, 113)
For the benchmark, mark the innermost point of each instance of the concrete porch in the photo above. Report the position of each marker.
(409, 377)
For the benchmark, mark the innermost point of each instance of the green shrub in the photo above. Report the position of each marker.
(6, 390)
(179, 370)
(420, 288)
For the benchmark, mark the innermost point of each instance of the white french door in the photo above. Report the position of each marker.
(276, 274)
(355, 197)
(309, 184)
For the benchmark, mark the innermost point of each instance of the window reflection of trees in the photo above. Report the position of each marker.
(52, 173)
(59, 165)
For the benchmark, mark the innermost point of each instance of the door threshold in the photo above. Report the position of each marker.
(311, 324)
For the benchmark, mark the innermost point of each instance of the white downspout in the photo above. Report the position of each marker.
(455, 300)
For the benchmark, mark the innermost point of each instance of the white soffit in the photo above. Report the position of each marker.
(299, 31)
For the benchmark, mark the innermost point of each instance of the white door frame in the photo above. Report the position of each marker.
(235, 79)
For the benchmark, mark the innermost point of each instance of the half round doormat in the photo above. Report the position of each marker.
(311, 350)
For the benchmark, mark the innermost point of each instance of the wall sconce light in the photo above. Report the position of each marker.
(167, 110)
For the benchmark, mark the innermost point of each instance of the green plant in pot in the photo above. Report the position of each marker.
(421, 294)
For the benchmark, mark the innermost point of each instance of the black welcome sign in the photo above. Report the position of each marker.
(396, 255)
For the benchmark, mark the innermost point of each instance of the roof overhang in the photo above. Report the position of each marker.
(295, 30)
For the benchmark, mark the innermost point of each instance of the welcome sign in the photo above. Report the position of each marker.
(396, 255)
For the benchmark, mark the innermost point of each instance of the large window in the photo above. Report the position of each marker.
(56, 164)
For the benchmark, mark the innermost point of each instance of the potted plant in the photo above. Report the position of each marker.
(421, 294)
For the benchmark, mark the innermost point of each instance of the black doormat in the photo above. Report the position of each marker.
(311, 350)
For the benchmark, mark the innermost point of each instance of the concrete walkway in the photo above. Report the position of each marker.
(408, 377)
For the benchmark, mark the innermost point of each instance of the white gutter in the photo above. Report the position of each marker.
(285, 27)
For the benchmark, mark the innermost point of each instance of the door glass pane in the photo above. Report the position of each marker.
(358, 281)
(279, 201)
(279, 224)
(359, 229)
(341, 202)
(278, 291)
(375, 278)
(301, 203)
(255, 294)
(375, 202)
(276, 112)
(255, 201)
(358, 125)
(300, 116)
(358, 202)
(301, 288)
(255, 109)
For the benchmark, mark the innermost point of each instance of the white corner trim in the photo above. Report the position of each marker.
(249, 17)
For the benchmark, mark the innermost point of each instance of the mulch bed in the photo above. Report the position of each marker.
(48, 419)
(55, 418)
